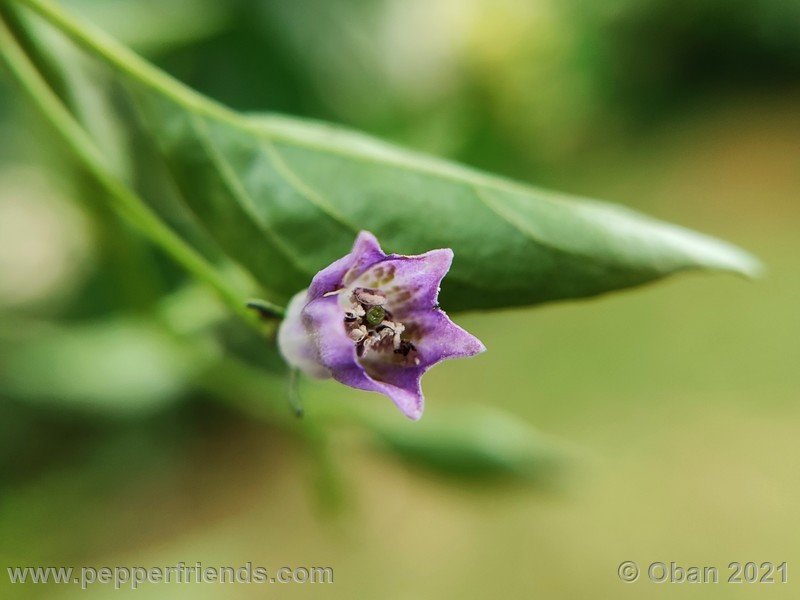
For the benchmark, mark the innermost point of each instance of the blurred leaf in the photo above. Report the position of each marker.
(472, 442)
(285, 197)
(155, 25)
(125, 201)
(81, 86)
(127, 271)
(120, 365)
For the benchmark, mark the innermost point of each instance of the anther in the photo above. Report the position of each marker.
(369, 296)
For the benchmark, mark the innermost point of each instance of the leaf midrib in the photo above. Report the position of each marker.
(124, 60)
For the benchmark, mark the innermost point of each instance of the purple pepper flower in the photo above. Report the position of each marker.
(372, 321)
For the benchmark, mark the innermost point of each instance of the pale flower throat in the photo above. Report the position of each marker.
(370, 325)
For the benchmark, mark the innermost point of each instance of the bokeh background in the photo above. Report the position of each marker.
(673, 409)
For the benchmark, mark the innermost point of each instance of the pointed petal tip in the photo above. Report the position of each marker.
(411, 402)
(473, 348)
(414, 413)
(442, 258)
(445, 253)
(469, 344)
(414, 416)
(366, 240)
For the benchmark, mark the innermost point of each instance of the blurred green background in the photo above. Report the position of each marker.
(672, 409)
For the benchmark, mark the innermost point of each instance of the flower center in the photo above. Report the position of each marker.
(372, 328)
(375, 315)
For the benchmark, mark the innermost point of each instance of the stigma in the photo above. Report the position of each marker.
(370, 325)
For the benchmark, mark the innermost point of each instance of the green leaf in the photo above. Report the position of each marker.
(288, 197)
(120, 365)
(125, 202)
(475, 442)
(284, 197)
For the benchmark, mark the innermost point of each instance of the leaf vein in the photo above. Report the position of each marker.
(527, 233)
(305, 190)
(235, 187)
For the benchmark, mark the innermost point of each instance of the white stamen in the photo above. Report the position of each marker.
(371, 297)
(382, 337)
(358, 334)
(397, 330)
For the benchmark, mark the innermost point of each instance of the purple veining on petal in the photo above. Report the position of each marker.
(366, 252)
(409, 282)
(337, 353)
(438, 338)
(372, 322)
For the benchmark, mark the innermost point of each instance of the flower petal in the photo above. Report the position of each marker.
(366, 252)
(336, 352)
(326, 333)
(294, 342)
(401, 384)
(437, 338)
(410, 283)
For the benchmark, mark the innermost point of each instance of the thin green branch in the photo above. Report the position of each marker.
(106, 48)
(123, 200)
